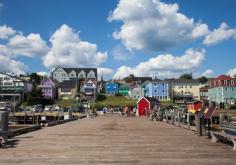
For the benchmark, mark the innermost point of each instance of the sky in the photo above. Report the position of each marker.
(157, 38)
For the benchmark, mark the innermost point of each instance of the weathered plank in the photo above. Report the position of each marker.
(115, 140)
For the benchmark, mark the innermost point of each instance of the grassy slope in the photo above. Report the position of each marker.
(116, 101)
(67, 103)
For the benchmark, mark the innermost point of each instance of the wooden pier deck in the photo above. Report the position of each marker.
(115, 140)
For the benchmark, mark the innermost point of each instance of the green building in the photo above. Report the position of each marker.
(222, 91)
(124, 89)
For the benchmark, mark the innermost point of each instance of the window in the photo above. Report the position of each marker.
(163, 85)
(65, 90)
(232, 82)
(225, 82)
(163, 91)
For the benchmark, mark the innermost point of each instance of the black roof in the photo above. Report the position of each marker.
(182, 81)
(142, 79)
(68, 84)
(152, 100)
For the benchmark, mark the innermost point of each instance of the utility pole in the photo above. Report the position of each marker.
(14, 82)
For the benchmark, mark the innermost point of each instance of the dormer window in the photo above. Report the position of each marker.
(91, 75)
(72, 74)
(81, 74)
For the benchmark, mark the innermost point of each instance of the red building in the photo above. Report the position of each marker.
(222, 81)
(194, 106)
(145, 104)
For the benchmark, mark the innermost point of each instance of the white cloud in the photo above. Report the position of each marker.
(153, 25)
(120, 53)
(165, 66)
(231, 72)
(107, 73)
(31, 45)
(10, 65)
(219, 35)
(42, 73)
(69, 50)
(6, 31)
(5, 51)
(208, 73)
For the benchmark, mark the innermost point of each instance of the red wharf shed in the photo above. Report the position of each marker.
(145, 104)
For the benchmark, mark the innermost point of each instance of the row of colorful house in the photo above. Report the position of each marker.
(163, 90)
(219, 90)
(66, 83)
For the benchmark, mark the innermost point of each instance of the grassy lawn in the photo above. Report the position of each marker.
(115, 101)
(67, 103)
(167, 103)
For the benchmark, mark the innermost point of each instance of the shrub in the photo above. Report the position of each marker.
(232, 106)
(101, 98)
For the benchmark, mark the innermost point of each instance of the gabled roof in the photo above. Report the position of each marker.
(135, 86)
(68, 84)
(44, 80)
(150, 100)
(223, 77)
(78, 70)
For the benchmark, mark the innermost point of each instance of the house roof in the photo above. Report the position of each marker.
(68, 84)
(142, 79)
(44, 80)
(223, 77)
(182, 81)
(135, 86)
(13, 77)
(124, 85)
(78, 70)
(111, 83)
(150, 100)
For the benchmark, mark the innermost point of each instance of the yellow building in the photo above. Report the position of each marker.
(67, 89)
(184, 90)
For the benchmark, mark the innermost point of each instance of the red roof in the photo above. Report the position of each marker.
(223, 77)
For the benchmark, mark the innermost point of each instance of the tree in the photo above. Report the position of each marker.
(35, 79)
(34, 96)
(129, 78)
(202, 79)
(186, 77)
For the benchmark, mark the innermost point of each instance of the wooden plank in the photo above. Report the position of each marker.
(115, 140)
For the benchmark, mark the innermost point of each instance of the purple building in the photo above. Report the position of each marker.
(48, 88)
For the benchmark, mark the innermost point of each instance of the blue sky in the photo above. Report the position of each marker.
(143, 37)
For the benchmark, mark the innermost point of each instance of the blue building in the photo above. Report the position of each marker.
(157, 89)
(111, 88)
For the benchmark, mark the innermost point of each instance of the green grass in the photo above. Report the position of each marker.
(67, 103)
(115, 101)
